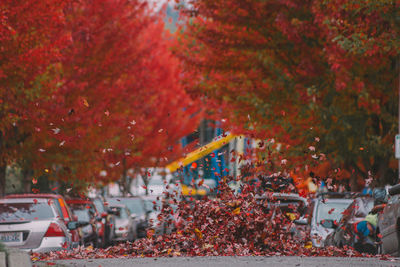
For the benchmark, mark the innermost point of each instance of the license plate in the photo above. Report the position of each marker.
(11, 237)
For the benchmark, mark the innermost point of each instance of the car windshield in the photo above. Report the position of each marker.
(83, 215)
(10, 212)
(83, 206)
(135, 205)
(330, 210)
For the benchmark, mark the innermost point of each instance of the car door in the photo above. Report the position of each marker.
(387, 226)
(341, 232)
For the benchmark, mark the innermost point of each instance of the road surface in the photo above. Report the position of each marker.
(225, 261)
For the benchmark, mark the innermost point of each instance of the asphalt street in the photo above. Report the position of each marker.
(224, 261)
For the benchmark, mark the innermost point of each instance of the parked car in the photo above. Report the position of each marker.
(125, 223)
(137, 209)
(389, 224)
(325, 211)
(89, 231)
(288, 203)
(95, 219)
(161, 215)
(63, 212)
(344, 233)
(108, 220)
(291, 205)
(33, 225)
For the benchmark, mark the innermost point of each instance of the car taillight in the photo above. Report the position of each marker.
(54, 230)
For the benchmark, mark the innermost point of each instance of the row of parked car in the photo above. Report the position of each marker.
(367, 222)
(47, 222)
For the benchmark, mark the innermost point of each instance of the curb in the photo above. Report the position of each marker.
(15, 258)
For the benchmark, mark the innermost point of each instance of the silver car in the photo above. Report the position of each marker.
(325, 212)
(32, 225)
(125, 223)
(389, 224)
(137, 210)
(160, 222)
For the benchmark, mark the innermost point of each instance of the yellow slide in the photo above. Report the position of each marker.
(200, 152)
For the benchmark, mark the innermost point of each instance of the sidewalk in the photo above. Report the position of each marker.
(15, 258)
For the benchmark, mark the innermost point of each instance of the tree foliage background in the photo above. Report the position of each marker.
(319, 74)
(88, 86)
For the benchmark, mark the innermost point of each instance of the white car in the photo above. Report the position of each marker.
(325, 212)
(33, 225)
(125, 223)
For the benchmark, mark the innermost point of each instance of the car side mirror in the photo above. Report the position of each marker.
(394, 190)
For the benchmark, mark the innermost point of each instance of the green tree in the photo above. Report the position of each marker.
(286, 70)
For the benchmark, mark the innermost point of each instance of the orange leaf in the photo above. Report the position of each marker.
(199, 234)
(85, 102)
(236, 211)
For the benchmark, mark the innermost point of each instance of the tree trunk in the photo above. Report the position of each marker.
(145, 181)
(3, 168)
(27, 174)
(124, 184)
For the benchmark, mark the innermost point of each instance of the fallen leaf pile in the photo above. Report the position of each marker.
(230, 224)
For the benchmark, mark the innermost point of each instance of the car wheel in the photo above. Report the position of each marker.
(95, 242)
(100, 242)
(379, 249)
(398, 238)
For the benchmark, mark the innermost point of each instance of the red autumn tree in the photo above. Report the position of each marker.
(163, 116)
(32, 35)
(295, 71)
(120, 105)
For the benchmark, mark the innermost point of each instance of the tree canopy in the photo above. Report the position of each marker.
(301, 71)
(87, 86)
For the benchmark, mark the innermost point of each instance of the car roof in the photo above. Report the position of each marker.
(334, 200)
(24, 200)
(126, 197)
(31, 195)
(335, 195)
(288, 196)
